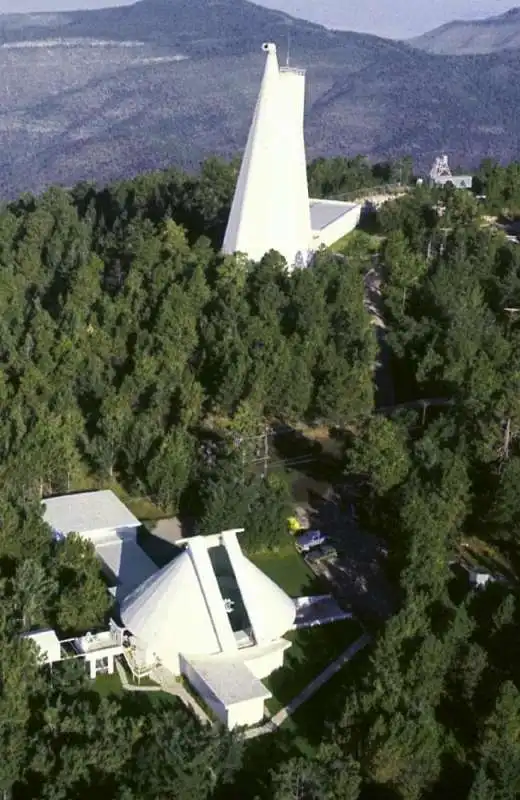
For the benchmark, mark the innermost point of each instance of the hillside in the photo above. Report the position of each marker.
(463, 37)
(106, 94)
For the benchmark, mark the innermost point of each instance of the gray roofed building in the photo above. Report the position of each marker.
(87, 512)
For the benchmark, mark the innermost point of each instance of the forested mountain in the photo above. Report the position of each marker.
(131, 350)
(123, 338)
(464, 37)
(107, 94)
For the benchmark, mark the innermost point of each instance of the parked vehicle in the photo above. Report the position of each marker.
(299, 522)
(294, 525)
(325, 552)
(307, 541)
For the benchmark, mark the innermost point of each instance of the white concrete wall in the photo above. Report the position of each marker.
(203, 690)
(262, 666)
(270, 206)
(294, 218)
(249, 712)
(337, 229)
(171, 661)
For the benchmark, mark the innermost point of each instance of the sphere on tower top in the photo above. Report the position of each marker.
(269, 47)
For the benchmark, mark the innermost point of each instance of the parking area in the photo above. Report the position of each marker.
(355, 565)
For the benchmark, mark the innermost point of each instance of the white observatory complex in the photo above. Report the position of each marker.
(209, 615)
(271, 209)
(214, 617)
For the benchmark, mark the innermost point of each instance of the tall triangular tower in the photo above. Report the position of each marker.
(270, 209)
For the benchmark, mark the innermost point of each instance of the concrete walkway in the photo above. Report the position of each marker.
(280, 717)
(166, 683)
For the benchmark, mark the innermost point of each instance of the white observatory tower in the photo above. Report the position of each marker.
(270, 209)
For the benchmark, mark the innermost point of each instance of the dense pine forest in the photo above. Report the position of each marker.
(133, 353)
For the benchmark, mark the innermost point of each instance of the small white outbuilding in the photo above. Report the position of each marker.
(47, 643)
(96, 516)
(101, 518)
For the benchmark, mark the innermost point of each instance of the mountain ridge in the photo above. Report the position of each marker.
(81, 112)
(473, 37)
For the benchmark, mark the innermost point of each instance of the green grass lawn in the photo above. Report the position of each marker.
(301, 734)
(311, 721)
(312, 650)
(288, 569)
(106, 685)
(140, 702)
(358, 243)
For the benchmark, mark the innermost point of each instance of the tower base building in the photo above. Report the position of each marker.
(271, 209)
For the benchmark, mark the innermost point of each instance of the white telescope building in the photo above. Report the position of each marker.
(271, 209)
(209, 615)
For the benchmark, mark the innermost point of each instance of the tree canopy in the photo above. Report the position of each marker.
(134, 355)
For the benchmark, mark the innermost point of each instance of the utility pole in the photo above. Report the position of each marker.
(507, 438)
(266, 451)
(424, 407)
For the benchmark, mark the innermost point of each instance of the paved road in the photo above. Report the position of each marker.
(280, 717)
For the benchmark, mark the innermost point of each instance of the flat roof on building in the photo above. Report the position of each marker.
(230, 680)
(87, 511)
(48, 644)
(324, 212)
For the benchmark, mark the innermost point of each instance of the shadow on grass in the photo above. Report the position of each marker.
(317, 716)
(312, 650)
(291, 444)
(138, 704)
(300, 736)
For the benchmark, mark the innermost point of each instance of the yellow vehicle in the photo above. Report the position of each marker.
(294, 525)
(299, 521)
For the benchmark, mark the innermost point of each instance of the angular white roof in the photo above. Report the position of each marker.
(47, 643)
(168, 612)
(85, 512)
(126, 561)
(181, 608)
